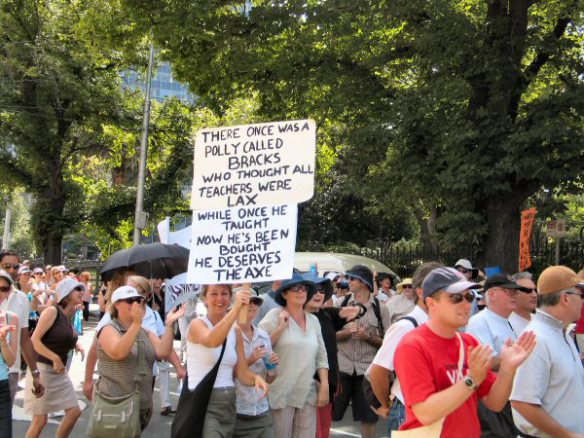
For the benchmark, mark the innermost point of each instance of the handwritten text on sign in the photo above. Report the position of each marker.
(246, 244)
(254, 165)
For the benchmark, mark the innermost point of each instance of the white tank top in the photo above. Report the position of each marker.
(201, 359)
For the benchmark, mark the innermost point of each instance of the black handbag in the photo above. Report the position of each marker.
(192, 405)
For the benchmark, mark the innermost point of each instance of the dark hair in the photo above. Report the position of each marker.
(7, 252)
(421, 273)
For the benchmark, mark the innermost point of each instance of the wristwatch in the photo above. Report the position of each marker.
(469, 382)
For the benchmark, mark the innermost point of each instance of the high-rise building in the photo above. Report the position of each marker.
(163, 84)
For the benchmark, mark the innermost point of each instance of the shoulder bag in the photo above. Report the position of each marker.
(118, 417)
(192, 405)
(433, 430)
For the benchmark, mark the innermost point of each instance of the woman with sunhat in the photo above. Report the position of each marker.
(331, 319)
(297, 340)
(53, 339)
(402, 303)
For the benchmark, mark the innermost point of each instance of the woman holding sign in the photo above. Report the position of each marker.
(297, 340)
(215, 354)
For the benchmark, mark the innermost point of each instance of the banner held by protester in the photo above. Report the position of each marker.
(254, 165)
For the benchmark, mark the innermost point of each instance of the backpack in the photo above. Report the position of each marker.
(367, 389)
(376, 310)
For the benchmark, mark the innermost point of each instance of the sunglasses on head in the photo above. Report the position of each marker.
(458, 298)
(132, 300)
(7, 266)
(4, 289)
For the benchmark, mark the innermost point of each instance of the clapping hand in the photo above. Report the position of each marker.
(349, 313)
(514, 353)
(479, 361)
(175, 314)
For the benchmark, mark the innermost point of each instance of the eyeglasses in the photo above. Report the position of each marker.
(4, 289)
(509, 292)
(7, 266)
(458, 298)
(133, 300)
(298, 288)
(350, 278)
(573, 292)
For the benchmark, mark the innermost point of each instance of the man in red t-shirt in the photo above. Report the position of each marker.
(426, 362)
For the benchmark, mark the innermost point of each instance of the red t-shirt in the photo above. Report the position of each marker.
(426, 363)
(580, 325)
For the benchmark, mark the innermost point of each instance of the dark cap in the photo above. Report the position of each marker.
(446, 280)
(501, 280)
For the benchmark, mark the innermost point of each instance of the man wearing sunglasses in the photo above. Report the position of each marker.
(491, 327)
(526, 302)
(548, 393)
(17, 302)
(437, 381)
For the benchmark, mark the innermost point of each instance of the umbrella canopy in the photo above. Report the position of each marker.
(155, 260)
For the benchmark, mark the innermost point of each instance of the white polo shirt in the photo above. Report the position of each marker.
(392, 338)
(490, 329)
(17, 302)
(552, 377)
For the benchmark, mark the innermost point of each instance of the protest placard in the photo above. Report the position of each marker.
(240, 245)
(254, 165)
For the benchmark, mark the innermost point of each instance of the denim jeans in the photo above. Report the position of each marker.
(5, 410)
(397, 415)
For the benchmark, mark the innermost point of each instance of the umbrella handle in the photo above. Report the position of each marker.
(242, 318)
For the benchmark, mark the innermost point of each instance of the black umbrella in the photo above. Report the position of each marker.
(155, 260)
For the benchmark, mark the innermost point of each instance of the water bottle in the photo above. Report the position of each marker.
(269, 366)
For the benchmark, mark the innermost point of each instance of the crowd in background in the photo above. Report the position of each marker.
(448, 351)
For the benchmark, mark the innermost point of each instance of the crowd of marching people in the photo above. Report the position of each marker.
(449, 352)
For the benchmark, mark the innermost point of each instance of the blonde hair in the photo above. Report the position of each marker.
(85, 275)
(142, 283)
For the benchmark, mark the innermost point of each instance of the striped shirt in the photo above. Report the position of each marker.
(355, 355)
(116, 377)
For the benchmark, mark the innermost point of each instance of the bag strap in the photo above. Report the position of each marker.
(140, 370)
(410, 319)
(460, 354)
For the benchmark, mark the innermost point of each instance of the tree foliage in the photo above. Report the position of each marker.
(459, 109)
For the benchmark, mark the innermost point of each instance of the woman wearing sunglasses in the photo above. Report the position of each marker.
(331, 319)
(8, 348)
(53, 339)
(117, 349)
(297, 340)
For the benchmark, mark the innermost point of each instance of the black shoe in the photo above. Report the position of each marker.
(168, 410)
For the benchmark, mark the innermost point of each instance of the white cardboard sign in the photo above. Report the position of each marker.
(241, 245)
(254, 165)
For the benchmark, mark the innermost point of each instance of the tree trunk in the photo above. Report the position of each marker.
(501, 247)
(53, 249)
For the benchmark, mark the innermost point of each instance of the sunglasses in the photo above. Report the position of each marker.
(407, 286)
(4, 289)
(319, 291)
(6, 266)
(458, 298)
(298, 288)
(78, 289)
(133, 300)
(528, 290)
(573, 292)
(464, 271)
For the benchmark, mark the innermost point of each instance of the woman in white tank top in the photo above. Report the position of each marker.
(205, 340)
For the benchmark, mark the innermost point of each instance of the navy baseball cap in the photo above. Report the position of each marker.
(447, 280)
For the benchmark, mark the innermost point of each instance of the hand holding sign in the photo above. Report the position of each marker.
(244, 289)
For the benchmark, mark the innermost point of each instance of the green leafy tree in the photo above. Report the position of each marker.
(479, 103)
(57, 90)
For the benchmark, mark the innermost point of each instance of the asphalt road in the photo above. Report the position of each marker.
(159, 425)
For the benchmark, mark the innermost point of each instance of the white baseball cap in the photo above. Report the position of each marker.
(66, 286)
(125, 292)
